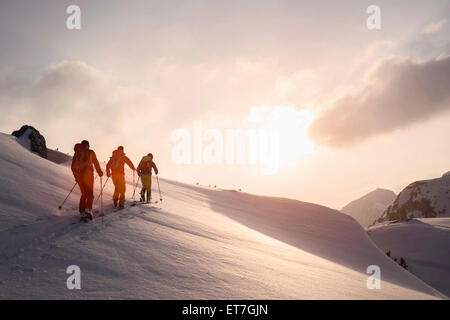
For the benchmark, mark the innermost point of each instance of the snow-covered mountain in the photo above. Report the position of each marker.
(369, 207)
(421, 199)
(423, 244)
(202, 244)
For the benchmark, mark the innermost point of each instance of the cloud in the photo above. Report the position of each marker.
(72, 99)
(434, 27)
(397, 92)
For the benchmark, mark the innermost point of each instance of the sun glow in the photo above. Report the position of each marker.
(290, 125)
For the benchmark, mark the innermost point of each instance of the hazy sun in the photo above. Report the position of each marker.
(291, 127)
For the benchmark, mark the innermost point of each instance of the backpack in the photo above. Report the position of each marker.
(146, 167)
(80, 160)
(116, 162)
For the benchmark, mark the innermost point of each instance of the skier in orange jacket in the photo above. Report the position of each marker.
(83, 162)
(115, 169)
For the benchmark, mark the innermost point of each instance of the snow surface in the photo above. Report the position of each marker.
(203, 244)
(423, 243)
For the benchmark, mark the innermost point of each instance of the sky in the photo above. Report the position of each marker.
(297, 99)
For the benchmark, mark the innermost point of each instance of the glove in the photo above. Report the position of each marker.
(100, 174)
(108, 174)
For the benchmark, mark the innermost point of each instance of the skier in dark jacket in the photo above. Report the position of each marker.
(115, 169)
(144, 171)
(83, 163)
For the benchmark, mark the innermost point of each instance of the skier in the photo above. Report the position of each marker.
(115, 168)
(82, 168)
(144, 171)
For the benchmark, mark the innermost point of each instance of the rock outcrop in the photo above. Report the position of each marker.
(31, 138)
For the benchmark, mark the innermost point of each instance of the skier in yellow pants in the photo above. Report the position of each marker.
(144, 171)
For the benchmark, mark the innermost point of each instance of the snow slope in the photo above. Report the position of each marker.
(203, 244)
(370, 207)
(421, 199)
(58, 157)
(423, 243)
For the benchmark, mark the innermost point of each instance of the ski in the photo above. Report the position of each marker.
(85, 219)
(143, 202)
(97, 214)
(150, 204)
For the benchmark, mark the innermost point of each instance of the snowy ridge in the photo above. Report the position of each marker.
(203, 244)
(421, 199)
(58, 157)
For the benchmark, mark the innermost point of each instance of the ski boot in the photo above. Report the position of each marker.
(88, 214)
(83, 216)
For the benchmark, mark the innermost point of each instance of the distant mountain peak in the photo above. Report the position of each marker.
(382, 190)
(369, 207)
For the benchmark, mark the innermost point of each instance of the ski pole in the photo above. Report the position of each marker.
(101, 197)
(160, 197)
(98, 197)
(134, 191)
(60, 207)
